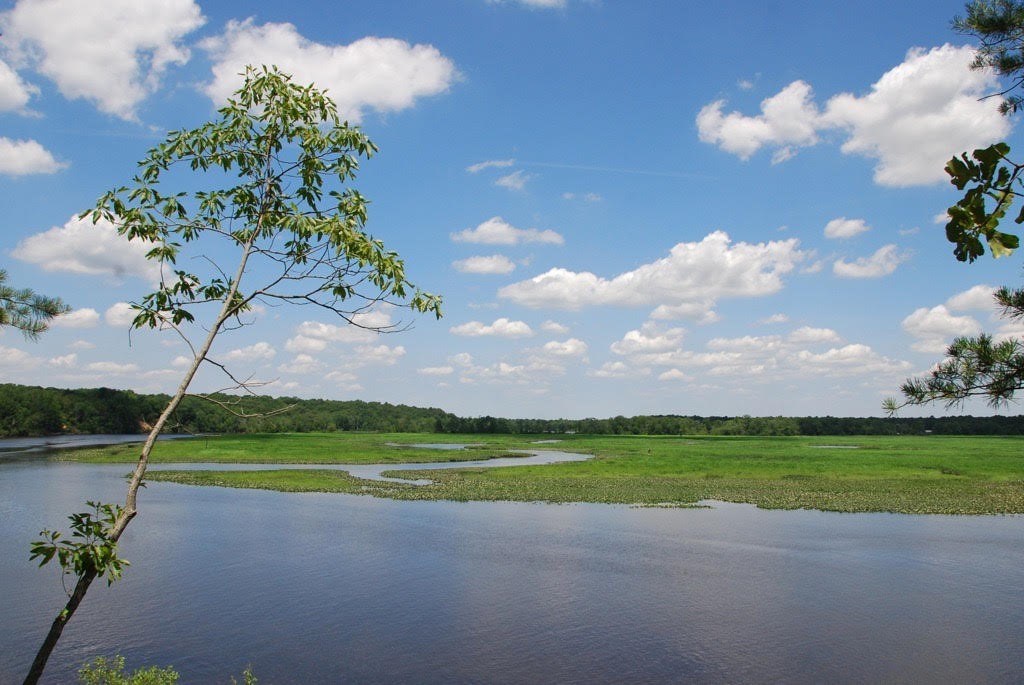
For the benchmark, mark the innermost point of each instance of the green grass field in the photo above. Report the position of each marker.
(909, 474)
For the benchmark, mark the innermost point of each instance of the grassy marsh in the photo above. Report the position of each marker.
(907, 474)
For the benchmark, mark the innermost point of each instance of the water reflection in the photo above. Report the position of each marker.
(326, 588)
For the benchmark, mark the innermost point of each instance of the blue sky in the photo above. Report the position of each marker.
(629, 207)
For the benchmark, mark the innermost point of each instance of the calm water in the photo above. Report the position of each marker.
(328, 588)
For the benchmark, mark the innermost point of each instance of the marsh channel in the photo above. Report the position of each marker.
(346, 588)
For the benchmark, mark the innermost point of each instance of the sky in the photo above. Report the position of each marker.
(629, 207)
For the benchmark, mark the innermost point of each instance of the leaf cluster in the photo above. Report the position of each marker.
(26, 310)
(998, 25)
(91, 549)
(104, 671)
(990, 178)
(285, 159)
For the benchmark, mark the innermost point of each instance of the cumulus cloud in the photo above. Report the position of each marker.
(13, 358)
(24, 157)
(772, 358)
(112, 368)
(915, 117)
(501, 328)
(497, 231)
(980, 297)
(554, 327)
(573, 347)
(14, 92)
(675, 375)
(493, 264)
(689, 280)
(67, 361)
(649, 338)
(81, 247)
(378, 355)
(301, 364)
(788, 118)
(109, 52)
(617, 370)
(256, 352)
(490, 164)
(313, 336)
(774, 318)
(384, 74)
(514, 181)
(120, 315)
(934, 328)
(845, 228)
(883, 262)
(436, 370)
(807, 334)
(78, 318)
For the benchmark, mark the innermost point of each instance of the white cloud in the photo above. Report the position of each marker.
(14, 92)
(807, 334)
(496, 231)
(66, 361)
(436, 370)
(378, 355)
(302, 364)
(980, 297)
(181, 361)
(490, 164)
(24, 157)
(13, 358)
(554, 327)
(384, 74)
(82, 345)
(650, 338)
(501, 328)
(78, 318)
(674, 375)
(109, 52)
(112, 368)
(120, 315)
(81, 247)
(774, 318)
(788, 118)
(772, 358)
(935, 327)
(845, 228)
(255, 352)
(514, 181)
(573, 347)
(308, 331)
(493, 264)
(302, 343)
(618, 370)
(915, 117)
(882, 263)
(692, 278)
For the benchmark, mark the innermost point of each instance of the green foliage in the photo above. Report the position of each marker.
(997, 24)
(992, 178)
(293, 157)
(91, 551)
(910, 474)
(103, 671)
(25, 310)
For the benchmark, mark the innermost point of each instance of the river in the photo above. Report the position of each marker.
(328, 588)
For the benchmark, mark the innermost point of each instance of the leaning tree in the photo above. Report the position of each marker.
(260, 213)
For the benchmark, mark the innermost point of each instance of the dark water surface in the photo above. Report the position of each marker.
(311, 588)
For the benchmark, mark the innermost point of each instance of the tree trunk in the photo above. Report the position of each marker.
(57, 627)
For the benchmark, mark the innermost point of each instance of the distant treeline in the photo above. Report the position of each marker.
(27, 410)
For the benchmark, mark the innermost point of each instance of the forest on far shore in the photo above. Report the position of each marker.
(31, 411)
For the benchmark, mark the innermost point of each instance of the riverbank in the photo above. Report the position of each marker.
(910, 474)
